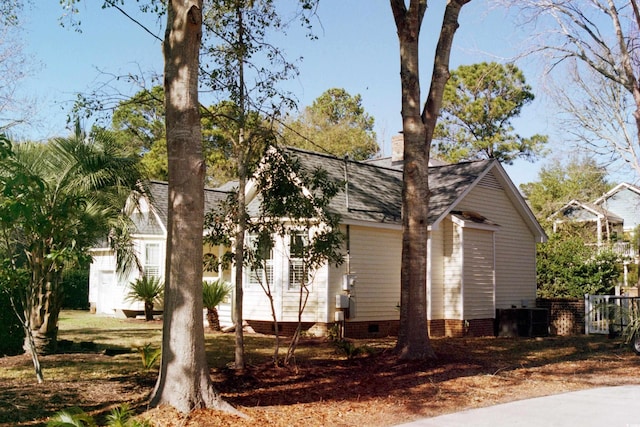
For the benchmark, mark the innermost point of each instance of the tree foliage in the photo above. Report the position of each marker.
(294, 202)
(580, 178)
(478, 105)
(57, 200)
(337, 123)
(568, 268)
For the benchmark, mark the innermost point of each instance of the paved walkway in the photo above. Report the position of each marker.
(607, 406)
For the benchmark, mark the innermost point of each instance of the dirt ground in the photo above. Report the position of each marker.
(371, 390)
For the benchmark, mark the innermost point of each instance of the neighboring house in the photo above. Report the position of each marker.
(482, 253)
(624, 201)
(614, 217)
(108, 288)
(481, 246)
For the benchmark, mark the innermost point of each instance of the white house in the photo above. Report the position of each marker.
(108, 287)
(482, 253)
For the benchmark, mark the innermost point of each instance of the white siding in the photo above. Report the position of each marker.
(515, 253)
(478, 274)
(375, 259)
(436, 274)
(102, 282)
(452, 270)
(256, 304)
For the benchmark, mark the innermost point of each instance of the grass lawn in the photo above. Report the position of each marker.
(100, 368)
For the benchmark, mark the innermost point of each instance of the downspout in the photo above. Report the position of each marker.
(346, 202)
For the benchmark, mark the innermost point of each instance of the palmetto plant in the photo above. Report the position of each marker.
(121, 416)
(149, 290)
(58, 200)
(213, 293)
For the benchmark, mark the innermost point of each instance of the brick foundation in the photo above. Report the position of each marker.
(381, 329)
(286, 329)
(461, 328)
(362, 330)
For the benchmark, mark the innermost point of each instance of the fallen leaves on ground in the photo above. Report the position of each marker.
(372, 390)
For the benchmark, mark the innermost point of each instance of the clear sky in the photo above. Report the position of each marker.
(356, 49)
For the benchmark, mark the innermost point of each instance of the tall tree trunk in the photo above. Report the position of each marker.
(242, 153)
(413, 338)
(239, 263)
(184, 381)
(213, 319)
(44, 307)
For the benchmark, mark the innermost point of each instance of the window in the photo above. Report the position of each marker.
(297, 245)
(257, 276)
(152, 260)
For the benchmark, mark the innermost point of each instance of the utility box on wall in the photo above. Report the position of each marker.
(342, 301)
(348, 281)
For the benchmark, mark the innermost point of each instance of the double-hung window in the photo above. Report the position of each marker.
(298, 242)
(152, 260)
(262, 275)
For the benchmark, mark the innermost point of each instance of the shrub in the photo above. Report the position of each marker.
(567, 268)
(149, 290)
(149, 356)
(75, 285)
(214, 293)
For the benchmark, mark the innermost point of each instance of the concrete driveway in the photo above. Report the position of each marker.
(607, 406)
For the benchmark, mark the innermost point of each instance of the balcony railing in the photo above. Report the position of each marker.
(623, 249)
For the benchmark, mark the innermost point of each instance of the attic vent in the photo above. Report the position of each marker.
(490, 181)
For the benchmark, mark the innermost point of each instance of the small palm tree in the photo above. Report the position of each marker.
(147, 289)
(213, 293)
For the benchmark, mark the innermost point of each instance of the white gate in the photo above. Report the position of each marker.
(605, 314)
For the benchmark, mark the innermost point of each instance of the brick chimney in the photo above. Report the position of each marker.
(397, 148)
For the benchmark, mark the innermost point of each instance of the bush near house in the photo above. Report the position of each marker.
(568, 268)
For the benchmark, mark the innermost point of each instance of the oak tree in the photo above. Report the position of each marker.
(418, 126)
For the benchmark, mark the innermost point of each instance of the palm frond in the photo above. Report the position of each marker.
(213, 293)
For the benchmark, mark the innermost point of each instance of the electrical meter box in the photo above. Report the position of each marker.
(342, 301)
(348, 281)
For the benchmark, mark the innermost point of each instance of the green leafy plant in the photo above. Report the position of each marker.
(350, 349)
(149, 356)
(122, 416)
(149, 290)
(214, 293)
(72, 417)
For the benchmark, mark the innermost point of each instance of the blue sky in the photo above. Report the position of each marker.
(356, 49)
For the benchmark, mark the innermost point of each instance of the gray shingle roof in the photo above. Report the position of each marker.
(374, 193)
(159, 198)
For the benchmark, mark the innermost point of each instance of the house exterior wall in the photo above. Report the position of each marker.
(515, 246)
(452, 270)
(478, 283)
(108, 288)
(436, 274)
(286, 296)
(625, 204)
(376, 255)
(103, 284)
